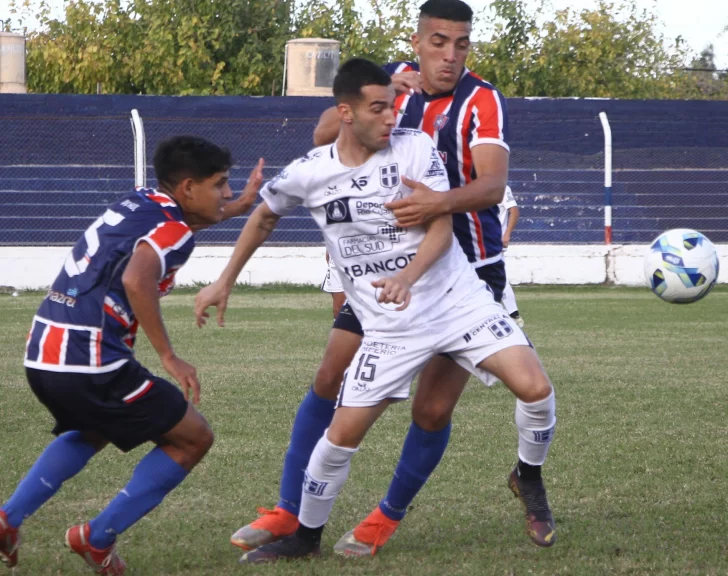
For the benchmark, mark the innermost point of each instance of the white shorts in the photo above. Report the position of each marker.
(332, 282)
(386, 363)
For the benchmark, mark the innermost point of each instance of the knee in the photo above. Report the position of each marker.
(204, 438)
(539, 389)
(431, 416)
(327, 382)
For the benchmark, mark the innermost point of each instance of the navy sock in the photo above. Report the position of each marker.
(312, 419)
(421, 454)
(155, 476)
(62, 459)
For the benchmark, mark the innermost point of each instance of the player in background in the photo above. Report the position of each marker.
(79, 355)
(332, 285)
(467, 119)
(508, 213)
(414, 291)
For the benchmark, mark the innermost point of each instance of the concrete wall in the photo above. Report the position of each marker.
(35, 268)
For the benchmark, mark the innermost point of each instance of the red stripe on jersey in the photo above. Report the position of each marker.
(98, 349)
(52, 345)
(489, 121)
(169, 234)
(468, 172)
(161, 199)
(433, 110)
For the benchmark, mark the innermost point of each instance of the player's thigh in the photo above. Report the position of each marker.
(520, 369)
(344, 340)
(338, 300)
(351, 424)
(439, 387)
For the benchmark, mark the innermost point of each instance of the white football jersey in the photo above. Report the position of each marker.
(360, 233)
(509, 201)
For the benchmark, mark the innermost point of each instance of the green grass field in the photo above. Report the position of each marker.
(637, 475)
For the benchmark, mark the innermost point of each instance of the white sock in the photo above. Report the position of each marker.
(327, 471)
(509, 299)
(536, 422)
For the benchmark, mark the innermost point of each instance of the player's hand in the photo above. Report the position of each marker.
(250, 192)
(216, 294)
(407, 82)
(506, 240)
(185, 374)
(423, 205)
(394, 290)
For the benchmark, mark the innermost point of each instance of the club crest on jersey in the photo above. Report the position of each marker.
(440, 121)
(389, 176)
(338, 211)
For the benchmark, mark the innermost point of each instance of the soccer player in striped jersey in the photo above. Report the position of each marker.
(79, 355)
(468, 121)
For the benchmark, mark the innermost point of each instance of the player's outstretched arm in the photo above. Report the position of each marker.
(514, 214)
(141, 285)
(259, 226)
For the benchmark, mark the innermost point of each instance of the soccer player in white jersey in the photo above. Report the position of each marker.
(467, 118)
(413, 290)
(508, 214)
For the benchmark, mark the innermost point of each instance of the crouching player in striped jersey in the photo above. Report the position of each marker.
(79, 356)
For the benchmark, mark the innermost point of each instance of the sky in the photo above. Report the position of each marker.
(699, 22)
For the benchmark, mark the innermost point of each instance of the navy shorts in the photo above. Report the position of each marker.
(128, 407)
(494, 275)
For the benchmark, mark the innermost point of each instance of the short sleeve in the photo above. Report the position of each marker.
(489, 121)
(432, 171)
(173, 242)
(285, 191)
(509, 200)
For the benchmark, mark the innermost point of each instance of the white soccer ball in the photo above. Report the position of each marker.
(681, 266)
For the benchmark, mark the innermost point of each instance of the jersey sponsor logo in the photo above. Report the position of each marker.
(332, 191)
(389, 176)
(60, 298)
(338, 211)
(381, 348)
(365, 244)
(359, 183)
(440, 121)
(389, 265)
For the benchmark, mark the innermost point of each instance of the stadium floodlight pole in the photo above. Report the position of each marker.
(285, 69)
(140, 150)
(607, 178)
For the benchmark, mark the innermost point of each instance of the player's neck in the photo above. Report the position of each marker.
(352, 153)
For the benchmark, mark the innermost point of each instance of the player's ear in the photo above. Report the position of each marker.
(345, 112)
(415, 40)
(187, 187)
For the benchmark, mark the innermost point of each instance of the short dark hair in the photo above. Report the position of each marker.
(452, 10)
(193, 157)
(356, 73)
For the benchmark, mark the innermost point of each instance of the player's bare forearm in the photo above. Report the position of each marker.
(256, 231)
(436, 242)
(141, 285)
(513, 214)
(237, 207)
(327, 129)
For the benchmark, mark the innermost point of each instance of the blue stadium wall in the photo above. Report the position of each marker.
(63, 157)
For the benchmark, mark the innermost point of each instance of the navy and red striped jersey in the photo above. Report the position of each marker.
(473, 113)
(85, 323)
